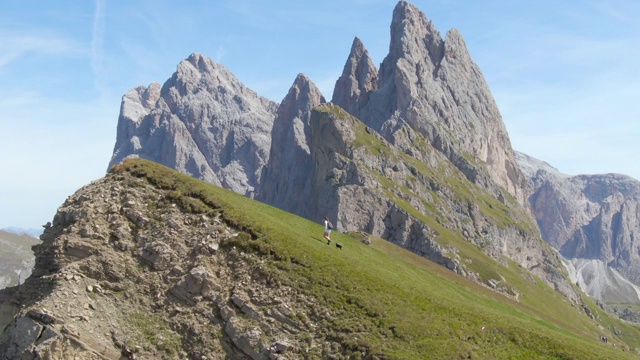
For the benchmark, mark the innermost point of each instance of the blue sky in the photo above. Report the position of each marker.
(565, 75)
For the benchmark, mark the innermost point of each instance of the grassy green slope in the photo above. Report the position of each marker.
(389, 302)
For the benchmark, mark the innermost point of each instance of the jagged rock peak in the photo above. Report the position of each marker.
(203, 122)
(359, 77)
(433, 86)
(136, 104)
(201, 72)
(455, 49)
(285, 179)
(531, 166)
(410, 27)
(139, 101)
(303, 95)
(357, 47)
(293, 113)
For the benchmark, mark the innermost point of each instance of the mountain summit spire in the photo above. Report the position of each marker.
(359, 77)
(413, 35)
(432, 86)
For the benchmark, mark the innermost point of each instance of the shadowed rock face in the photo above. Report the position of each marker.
(286, 177)
(359, 78)
(591, 217)
(203, 122)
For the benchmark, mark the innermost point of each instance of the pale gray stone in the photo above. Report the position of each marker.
(286, 177)
(202, 122)
(593, 221)
(359, 78)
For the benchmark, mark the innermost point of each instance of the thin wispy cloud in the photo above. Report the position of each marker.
(15, 46)
(221, 51)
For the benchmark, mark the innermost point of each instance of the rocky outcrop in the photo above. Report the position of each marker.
(286, 177)
(591, 217)
(202, 122)
(433, 86)
(124, 272)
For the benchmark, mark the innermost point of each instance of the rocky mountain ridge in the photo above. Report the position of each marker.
(432, 85)
(202, 122)
(147, 263)
(428, 101)
(592, 220)
(117, 278)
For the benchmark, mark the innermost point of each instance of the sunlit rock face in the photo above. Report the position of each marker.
(590, 217)
(203, 122)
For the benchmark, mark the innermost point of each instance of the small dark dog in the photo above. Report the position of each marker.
(339, 246)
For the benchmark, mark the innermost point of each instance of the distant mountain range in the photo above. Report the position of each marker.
(594, 221)
(16, 230)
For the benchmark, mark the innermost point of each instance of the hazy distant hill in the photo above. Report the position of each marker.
(16, 257)
(34, 232)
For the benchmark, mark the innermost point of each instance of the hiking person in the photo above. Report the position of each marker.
(328, 226)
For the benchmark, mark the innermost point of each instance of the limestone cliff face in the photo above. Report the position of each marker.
(368, 184)
(287, 177)
(202, 122)
(433, 86)
(592, 217)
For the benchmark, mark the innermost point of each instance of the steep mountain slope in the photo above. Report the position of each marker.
(591, 217)
(433, 86)
(438, 191)
(425, 161)
(287, 173)
(403, 186)
(202, 122)
(425, 205)
(16, 258)
(149, 263)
